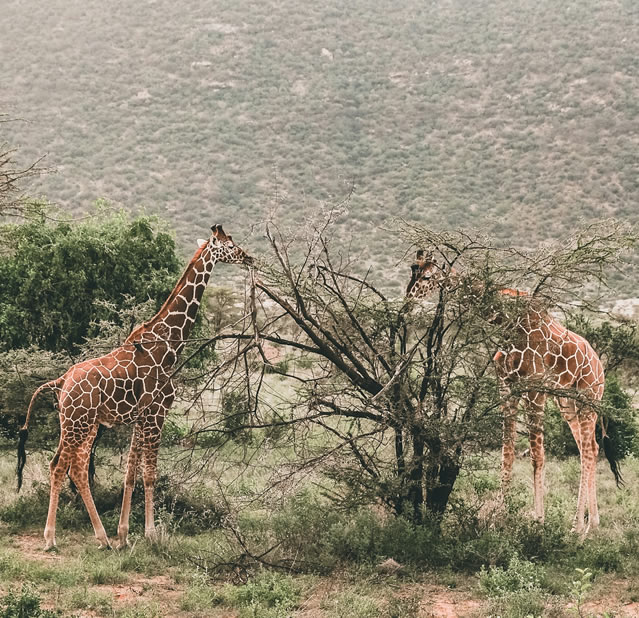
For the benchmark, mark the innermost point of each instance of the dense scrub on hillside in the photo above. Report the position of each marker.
(519, 118)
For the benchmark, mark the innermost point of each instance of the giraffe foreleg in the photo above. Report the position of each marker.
(151, 434)
(129, 484)
(150, 459)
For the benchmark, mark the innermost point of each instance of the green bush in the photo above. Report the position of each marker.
(53, 274)
(268, 594)
(25, 604)
(518, 604)
(618, 415)
(520, 575)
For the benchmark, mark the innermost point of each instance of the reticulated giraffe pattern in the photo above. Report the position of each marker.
(540, 351)
(130, 385)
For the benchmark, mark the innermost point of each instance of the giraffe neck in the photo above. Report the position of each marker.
(172, 324)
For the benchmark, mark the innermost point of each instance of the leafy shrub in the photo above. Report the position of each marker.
(54, 274)
(26, 604)
(520, 575)
(518, 604)
(267, 594)
(618, 415)
(600, 554)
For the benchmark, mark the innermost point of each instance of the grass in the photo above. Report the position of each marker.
(484, 561)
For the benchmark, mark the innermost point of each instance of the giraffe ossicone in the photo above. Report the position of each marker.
(132, 384)
(540, 351)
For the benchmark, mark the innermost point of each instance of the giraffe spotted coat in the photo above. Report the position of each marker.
(129, 385)
(541, 351)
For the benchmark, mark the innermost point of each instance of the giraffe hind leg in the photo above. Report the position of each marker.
(79, 473)
(588, 421)
(509, 410)
(57, 472)
(582, 425)
(535, 415)
(129, 483)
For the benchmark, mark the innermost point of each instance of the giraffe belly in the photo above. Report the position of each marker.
(119, 403)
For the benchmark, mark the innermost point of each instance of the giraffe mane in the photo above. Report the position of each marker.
(142, 328)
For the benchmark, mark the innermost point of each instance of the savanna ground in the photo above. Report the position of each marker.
(485, 560)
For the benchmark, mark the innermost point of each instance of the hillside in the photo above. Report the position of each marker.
(517, 117)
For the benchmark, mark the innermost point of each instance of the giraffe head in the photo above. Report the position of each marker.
(427, 276)
(223, 249)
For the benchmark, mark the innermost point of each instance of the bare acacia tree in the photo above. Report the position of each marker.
(390, 397)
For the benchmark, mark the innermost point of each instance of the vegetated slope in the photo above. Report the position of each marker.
(518, 117)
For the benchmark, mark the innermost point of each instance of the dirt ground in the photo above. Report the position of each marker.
(429, 598)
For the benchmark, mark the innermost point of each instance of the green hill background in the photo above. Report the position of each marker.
(519, 117)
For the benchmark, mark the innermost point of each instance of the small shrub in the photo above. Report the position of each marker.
(520, 575)
(351, 605)
(519, 604)
(580, 587)
(600, 554)
(26, 604)
(269, 593)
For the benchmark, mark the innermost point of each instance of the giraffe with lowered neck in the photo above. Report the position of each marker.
(541, 350)
(130, 385)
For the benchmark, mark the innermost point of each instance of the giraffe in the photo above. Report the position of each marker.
(130, 385)
(540, 350)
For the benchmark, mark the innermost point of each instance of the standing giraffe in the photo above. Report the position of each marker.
(132, 384)
(540, 349)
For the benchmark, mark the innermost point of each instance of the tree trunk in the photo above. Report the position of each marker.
(416, 478)
(440, 476)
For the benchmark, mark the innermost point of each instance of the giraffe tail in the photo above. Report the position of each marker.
(24, 430)
(609, 452)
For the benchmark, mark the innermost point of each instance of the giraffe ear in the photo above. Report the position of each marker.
(201, 241)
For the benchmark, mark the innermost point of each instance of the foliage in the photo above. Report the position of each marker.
(26, 604)
(517, 591)
(404, 390)
(519, 575)
(56, 277)
(580, 588)
(618, 416)
(616, 343)
(186, 510)
(268, 594)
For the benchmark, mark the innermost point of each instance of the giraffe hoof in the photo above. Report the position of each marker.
(53, 549)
